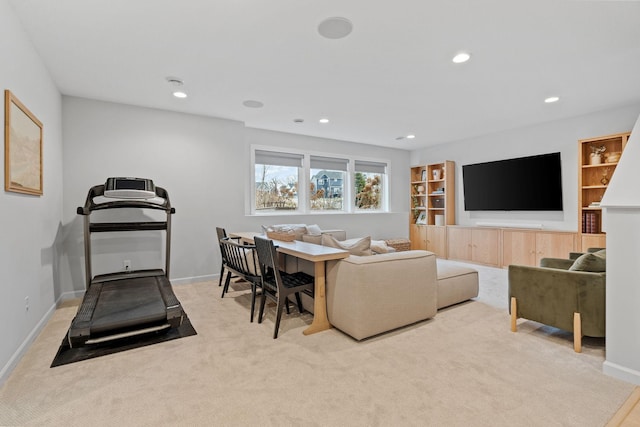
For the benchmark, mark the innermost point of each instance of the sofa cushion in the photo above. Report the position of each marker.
(595, 262)
(380, 247)
(314, 230)
(456, 284)
(311, 238)
(359, 247)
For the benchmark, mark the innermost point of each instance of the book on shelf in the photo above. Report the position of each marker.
(591, 222)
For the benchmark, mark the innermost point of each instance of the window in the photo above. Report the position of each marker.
(301, 183)
(369, 185)
(326, 183)
(276, 180)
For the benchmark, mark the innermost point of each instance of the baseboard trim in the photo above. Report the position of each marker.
(195, 279)
(621, 372)
(6, 370)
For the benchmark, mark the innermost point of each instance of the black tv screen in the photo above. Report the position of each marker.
(531, 183)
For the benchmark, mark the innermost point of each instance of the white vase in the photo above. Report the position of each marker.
(595, 159)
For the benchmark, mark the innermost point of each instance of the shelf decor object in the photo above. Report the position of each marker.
(22, 148)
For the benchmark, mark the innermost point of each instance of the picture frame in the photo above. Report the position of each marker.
(22, 148)
(424, 175)
(422, 219)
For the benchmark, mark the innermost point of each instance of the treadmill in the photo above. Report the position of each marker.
(123, 304)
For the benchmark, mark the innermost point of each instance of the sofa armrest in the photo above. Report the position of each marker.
(551, 296)
(368, 295)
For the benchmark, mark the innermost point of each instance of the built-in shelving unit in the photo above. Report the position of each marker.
(597, 161)
(432, 205)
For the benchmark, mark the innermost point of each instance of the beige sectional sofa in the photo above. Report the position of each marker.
(370, 295)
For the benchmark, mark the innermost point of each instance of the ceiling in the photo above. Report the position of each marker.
(392, 76)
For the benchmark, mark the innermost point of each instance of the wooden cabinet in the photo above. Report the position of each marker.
(429, 238)
(597, 161)
(480, 245)
(528, 247)
(418, 237)
(437, 240)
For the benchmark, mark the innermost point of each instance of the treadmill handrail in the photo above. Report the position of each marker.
(98, 190)
(90, 205)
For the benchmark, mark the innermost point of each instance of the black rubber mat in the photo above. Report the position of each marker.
(67, 355)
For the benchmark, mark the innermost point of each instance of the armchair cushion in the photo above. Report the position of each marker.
(593, 262)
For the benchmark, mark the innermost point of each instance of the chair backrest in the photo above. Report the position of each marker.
(222, 233)
(240, 258)
(267, 257)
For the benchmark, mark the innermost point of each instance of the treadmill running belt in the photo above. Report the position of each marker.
(128, 302)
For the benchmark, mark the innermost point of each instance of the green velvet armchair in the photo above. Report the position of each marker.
(554, 295)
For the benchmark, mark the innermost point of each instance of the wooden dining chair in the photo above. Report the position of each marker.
(241, 261)
(222, 234)
(278, 285)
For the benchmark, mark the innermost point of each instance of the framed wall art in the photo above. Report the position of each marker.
(22, 148)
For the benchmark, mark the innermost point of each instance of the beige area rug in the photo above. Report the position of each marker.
(462, 368)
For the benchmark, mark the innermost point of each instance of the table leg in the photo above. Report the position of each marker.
(320, 320)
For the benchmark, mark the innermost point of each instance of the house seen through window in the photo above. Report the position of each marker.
(326, 184)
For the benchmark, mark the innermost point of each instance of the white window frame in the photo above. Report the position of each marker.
(304, 177)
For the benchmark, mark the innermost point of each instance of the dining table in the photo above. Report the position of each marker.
(317, 254)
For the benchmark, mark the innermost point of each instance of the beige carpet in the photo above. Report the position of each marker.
(462, 368)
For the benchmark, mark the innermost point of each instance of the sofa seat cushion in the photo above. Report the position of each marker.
(456, 284)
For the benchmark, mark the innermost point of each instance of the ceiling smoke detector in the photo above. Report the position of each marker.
(250, 103)
(174, 81)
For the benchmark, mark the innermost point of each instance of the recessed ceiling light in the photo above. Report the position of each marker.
(179, 94)
(461, 57)
(551, 99)
(411, 136)
(335, 28)
(324, 120)
(400, 138)
(298, 120)
(250, 103)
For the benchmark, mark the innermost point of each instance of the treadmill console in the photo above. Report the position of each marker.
(129, 188)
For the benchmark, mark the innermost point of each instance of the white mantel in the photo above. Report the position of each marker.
(621, 204)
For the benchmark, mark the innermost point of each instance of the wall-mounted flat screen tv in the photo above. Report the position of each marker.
(531, 183)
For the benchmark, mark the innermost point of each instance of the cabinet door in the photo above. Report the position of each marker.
(459, 243)
(554, 245)
(518, 247)
(593, 241)
(418, 236)
(437, 240)
(485, 244)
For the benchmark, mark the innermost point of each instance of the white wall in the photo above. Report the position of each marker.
(30, 242)
(622, 221)
(562, 135)
(204, 164)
